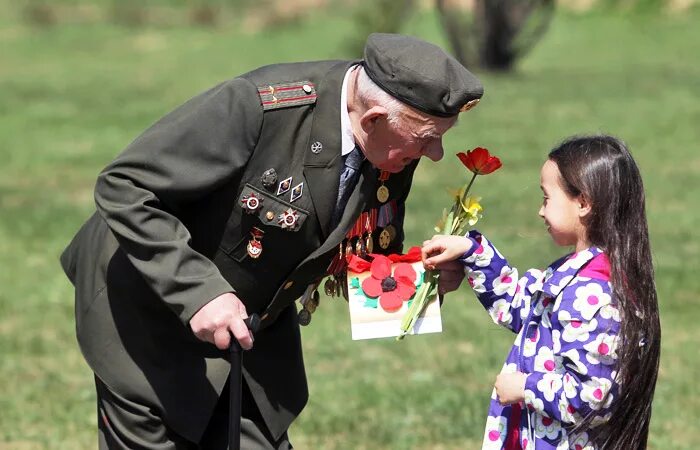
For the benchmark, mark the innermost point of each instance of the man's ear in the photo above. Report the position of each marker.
(371, 117)
(584, 206)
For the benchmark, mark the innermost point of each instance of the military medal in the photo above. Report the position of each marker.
(329, 287)
(309, 302)
(384, 239)
(386, 215)
(313, 302)
(383, 191)
(269, 178)
(296, 192)
(392, 231)
(304, 317)
(284, 186)
(254, 247)
(251, 202)
(369, 243)
(288, 219)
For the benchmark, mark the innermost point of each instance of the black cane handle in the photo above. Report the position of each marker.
(253, 324)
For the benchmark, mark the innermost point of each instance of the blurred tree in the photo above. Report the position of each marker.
(381, 16)
(493, 34)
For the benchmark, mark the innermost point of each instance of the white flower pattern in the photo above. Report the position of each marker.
(566, 327)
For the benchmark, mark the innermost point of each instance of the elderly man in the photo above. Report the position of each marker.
(241, 201)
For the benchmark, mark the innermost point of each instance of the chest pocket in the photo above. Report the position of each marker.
(276, 219)
(272, 211)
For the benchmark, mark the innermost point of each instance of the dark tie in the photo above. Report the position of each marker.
(348, 180)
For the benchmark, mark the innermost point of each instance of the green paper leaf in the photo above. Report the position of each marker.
(371, 303)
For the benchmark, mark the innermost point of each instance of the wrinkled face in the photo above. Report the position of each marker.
(562, 213)
(392, 147)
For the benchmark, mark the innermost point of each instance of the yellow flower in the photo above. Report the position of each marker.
(473, 209)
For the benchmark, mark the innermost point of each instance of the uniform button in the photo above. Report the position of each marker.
(307, 88)
(288, 284)
(269, 215)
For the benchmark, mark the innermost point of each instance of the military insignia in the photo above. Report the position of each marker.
(392, 232)
(284, 186)
(283, 95)
(251, 202)
(296, 192)
(383, 191)
(304, 317)
(369, 243)
(383, 194)
(269, 215)
(269, 178)
(329, 287)
(384, 239)
(313, 302)
(254, 247)
(469, 105)
(316, 147)
(288, 219)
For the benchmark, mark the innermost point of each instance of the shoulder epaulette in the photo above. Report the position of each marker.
(283, 95)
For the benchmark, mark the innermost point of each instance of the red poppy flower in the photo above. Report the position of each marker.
(391, 290)
(479, 161)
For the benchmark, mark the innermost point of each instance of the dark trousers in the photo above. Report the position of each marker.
(124, 424)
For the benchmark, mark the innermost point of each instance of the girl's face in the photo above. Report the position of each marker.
(562, 214)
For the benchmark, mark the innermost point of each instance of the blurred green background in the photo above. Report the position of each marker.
(80, 79)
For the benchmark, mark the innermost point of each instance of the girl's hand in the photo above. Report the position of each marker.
(510, 387)
(441, 249)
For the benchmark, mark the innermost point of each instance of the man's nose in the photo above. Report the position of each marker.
(434, 151)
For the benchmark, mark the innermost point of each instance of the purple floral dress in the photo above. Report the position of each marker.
(567, 327)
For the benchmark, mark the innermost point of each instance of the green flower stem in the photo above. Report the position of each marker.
(420, 301)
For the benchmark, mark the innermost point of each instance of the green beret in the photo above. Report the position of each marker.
(420, 74)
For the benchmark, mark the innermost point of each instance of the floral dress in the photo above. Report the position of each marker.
(567, 327)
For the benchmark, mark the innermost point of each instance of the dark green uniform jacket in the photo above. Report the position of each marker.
(170, 235)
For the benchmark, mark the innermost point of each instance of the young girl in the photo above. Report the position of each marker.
(582, 371)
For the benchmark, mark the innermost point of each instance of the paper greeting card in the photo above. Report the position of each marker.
(380, 292)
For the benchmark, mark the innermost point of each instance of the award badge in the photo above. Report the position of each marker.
(254, 247)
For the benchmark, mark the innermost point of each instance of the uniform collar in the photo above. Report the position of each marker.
(560, 273)
(322, 160)
(346, 135)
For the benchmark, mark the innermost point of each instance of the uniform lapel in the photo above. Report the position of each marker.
(322, 168)
(366, 186)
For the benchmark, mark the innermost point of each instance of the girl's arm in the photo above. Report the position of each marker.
(585, 329)
(505, 297)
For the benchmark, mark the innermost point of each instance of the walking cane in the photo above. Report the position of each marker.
(235, 385)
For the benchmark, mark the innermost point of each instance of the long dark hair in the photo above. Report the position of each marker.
(601, 169)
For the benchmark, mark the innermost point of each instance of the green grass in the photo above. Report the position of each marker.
(72, 96)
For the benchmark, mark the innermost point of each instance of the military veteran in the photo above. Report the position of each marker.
(240, 201)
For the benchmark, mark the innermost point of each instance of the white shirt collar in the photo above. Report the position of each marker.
(347, 138)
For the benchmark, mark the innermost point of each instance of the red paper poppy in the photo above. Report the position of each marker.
(479, 161)
(391, 290)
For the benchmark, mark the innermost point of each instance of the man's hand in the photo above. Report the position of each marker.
(213, 322)
(510, 387)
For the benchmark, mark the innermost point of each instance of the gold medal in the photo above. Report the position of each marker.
(392, 232)
(383, 193)
(384, 239)
(358, 247)
(369, 243)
